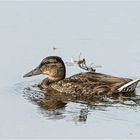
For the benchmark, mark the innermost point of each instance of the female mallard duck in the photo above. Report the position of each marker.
(86, 85)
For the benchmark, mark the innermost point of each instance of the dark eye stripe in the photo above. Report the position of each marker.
(46, 63)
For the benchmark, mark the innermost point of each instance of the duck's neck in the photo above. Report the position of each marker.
(47, 81)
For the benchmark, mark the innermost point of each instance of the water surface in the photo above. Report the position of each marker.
(106, 33)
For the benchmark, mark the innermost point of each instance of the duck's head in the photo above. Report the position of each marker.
(53, 66)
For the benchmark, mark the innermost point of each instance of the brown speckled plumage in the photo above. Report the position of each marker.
(88, 86)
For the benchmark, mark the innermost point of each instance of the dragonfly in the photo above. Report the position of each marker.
(81, 63)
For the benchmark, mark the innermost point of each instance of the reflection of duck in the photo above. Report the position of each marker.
(88, 85)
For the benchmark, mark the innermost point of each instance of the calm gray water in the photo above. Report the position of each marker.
(106, 33)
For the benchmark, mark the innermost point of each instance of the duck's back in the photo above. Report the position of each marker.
(89, 85)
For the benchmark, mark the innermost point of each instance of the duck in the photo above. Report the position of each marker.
(82, 86)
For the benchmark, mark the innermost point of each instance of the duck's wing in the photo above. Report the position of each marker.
(91, 77)
(88, 81)
(103, 77)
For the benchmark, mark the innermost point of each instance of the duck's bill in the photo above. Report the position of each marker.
(34, 72)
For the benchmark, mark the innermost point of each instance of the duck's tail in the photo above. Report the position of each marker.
(129, 87)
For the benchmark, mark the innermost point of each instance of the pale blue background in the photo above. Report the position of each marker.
(107, 33)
